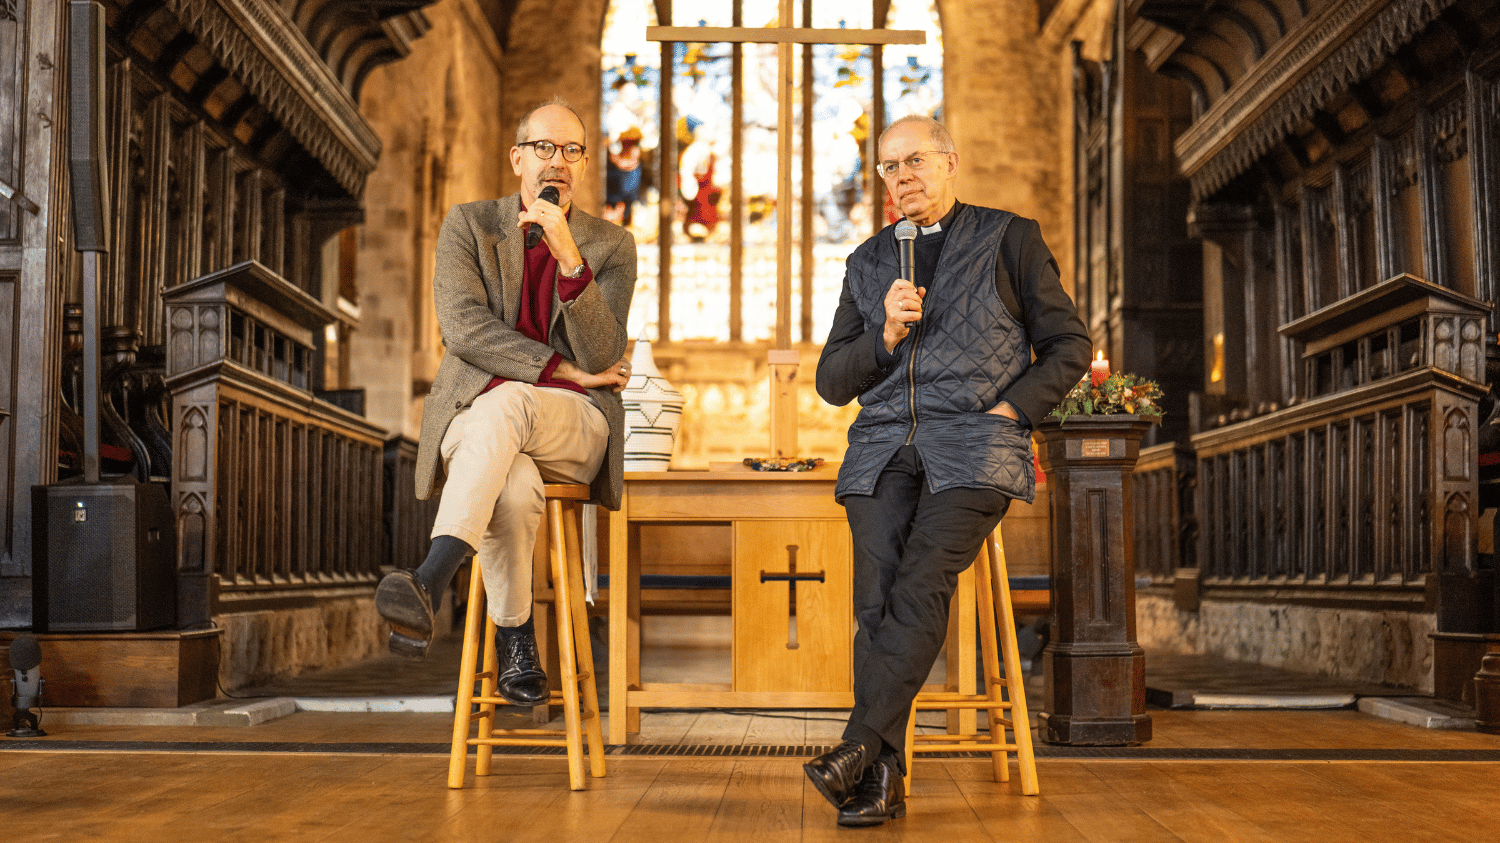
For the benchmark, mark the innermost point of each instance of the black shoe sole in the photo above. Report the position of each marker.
(401, 601)
(412, 648)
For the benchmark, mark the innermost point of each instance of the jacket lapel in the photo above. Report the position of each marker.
(510, 253)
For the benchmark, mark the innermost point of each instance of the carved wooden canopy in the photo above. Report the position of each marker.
(1300, 73)
(282, 78)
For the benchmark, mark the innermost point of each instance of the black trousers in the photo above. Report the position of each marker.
(910, 545)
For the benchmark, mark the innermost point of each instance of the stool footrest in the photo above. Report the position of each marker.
(978, 747)
(960, 702)
(953, 737)
(561, 740)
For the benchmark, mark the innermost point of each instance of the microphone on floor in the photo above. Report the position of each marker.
(25, 663)
(534, 231)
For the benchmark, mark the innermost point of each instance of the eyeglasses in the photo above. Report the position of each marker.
(916, 163)
(545, 149)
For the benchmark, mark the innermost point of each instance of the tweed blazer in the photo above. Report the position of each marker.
(477, 295)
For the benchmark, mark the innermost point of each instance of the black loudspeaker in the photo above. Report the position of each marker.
(104, 557)
(86, 125)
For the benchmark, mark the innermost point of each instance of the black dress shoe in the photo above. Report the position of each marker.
(835, 773)
(405, 604)
(880, 795)
(521, 681)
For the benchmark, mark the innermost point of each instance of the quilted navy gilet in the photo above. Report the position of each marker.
(955, 364)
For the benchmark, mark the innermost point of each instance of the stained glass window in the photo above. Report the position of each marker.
(709, 299)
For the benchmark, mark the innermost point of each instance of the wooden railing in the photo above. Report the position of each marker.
(1165, 528)
(298, 494)
(1375, 486)
(408, 521)
(1373, 482)
(276, 492)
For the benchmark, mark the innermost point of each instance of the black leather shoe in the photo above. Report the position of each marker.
(521, 681)
(835, 773)
(880, 795)
(405, 604)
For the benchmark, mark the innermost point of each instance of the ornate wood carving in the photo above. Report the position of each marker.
(1371, 481)
(1449, 138)
(1330, 51)
(262, 47)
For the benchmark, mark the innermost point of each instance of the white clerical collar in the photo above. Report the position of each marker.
(931, 229)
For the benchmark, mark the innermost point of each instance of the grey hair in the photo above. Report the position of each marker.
(524, 127)
(936, 132)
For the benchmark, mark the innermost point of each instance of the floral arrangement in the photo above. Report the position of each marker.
(1102, 393)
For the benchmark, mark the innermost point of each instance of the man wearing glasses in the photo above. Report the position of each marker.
(527, 391)
(942, 366)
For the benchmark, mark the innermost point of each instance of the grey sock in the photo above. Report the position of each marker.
(443, 559)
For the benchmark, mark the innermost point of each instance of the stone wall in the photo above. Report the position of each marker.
(441, 145)
(261, 647)
(1376, 647)
(552, 49)
(1001, 102)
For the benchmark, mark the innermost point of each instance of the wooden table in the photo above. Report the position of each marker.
(791, 577)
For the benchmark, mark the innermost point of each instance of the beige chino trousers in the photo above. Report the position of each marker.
(497, 454)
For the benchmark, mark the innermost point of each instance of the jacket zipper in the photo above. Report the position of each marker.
(911, 382)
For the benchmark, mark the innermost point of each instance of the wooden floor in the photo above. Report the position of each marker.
(373, 778)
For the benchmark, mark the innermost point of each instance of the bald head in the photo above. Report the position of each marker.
(539, 156)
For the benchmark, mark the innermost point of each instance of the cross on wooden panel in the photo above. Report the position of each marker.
(783, 360)
(791, 578)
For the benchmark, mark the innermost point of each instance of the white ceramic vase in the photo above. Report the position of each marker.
(653, 411)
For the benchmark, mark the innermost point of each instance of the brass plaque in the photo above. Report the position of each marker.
(1095, 448)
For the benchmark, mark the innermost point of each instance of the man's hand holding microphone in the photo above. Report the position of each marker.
(903, 301)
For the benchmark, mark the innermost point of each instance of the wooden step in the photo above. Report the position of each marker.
(163, 669)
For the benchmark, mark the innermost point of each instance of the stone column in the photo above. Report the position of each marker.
(1095, 671)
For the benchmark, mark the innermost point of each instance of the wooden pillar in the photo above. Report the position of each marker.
(737, 183)
(1095, 671)
(782, 359)
(877, 121)
(666, 148)
(806, 200)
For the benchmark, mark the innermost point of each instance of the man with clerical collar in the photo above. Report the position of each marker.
(531, 295)
(942, 367)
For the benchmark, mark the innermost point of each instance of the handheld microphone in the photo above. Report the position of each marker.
(25, 663)
(534, 231)
(906, 235)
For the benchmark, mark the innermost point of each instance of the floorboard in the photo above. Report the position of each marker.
(381, 778)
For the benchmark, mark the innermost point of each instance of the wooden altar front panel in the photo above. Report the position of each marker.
(768, 512)
(792, 606)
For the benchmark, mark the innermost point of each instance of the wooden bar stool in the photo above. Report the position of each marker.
(1001, 693)
(576, 689)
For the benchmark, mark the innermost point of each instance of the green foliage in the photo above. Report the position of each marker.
(1120, 393)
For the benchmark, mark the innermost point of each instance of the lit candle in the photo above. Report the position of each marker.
(1098, 370)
